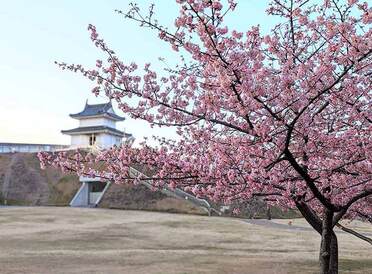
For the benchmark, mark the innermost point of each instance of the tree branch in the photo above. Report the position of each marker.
(356, 234)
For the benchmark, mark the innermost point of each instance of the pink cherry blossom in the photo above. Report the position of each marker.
(284, 116)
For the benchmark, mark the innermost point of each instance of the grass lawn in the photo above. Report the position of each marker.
(78, 240)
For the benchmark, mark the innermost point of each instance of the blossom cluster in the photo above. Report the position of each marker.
(285, 116)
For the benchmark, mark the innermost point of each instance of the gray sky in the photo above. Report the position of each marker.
(36, 96)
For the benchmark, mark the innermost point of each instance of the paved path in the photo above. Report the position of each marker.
(271, 224)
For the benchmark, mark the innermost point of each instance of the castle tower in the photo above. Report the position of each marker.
(97, 128)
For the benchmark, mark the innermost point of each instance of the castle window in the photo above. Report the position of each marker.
(92, 140)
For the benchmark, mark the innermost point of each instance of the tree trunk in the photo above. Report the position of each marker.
(328, 263)
(333, 264)
(268, 213)
(328, 257)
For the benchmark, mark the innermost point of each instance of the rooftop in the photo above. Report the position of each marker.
(98, 110)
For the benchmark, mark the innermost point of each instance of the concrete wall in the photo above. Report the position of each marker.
(97, 122)
(81, 198)
(85, 197)
(28, 148)
(105, 140)
(79, 141)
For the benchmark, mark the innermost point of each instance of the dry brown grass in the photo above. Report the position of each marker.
(78, 240)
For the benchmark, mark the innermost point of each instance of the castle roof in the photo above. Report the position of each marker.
(98, 110)
(96, 129)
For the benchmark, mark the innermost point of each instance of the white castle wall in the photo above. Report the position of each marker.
(79, 141)
(105, 140)
(97, 121)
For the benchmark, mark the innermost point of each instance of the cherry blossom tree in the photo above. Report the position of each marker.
(284, 116)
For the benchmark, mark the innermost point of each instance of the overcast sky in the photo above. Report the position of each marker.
(36, 97)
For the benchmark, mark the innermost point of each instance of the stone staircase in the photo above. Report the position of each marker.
(82, 197)
(180, 194)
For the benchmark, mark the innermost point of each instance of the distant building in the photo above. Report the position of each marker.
(97, 127)
(96, 131)
(29, 148)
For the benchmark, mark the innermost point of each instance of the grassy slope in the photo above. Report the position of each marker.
(140, 197)
(29, 185)
(32, 186)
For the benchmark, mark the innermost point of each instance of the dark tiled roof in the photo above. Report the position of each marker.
(97, 110)
(96, 129)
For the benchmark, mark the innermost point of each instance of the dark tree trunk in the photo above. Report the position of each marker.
(332, 261)
(268, 213)
(328, 257)
(333, 264)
